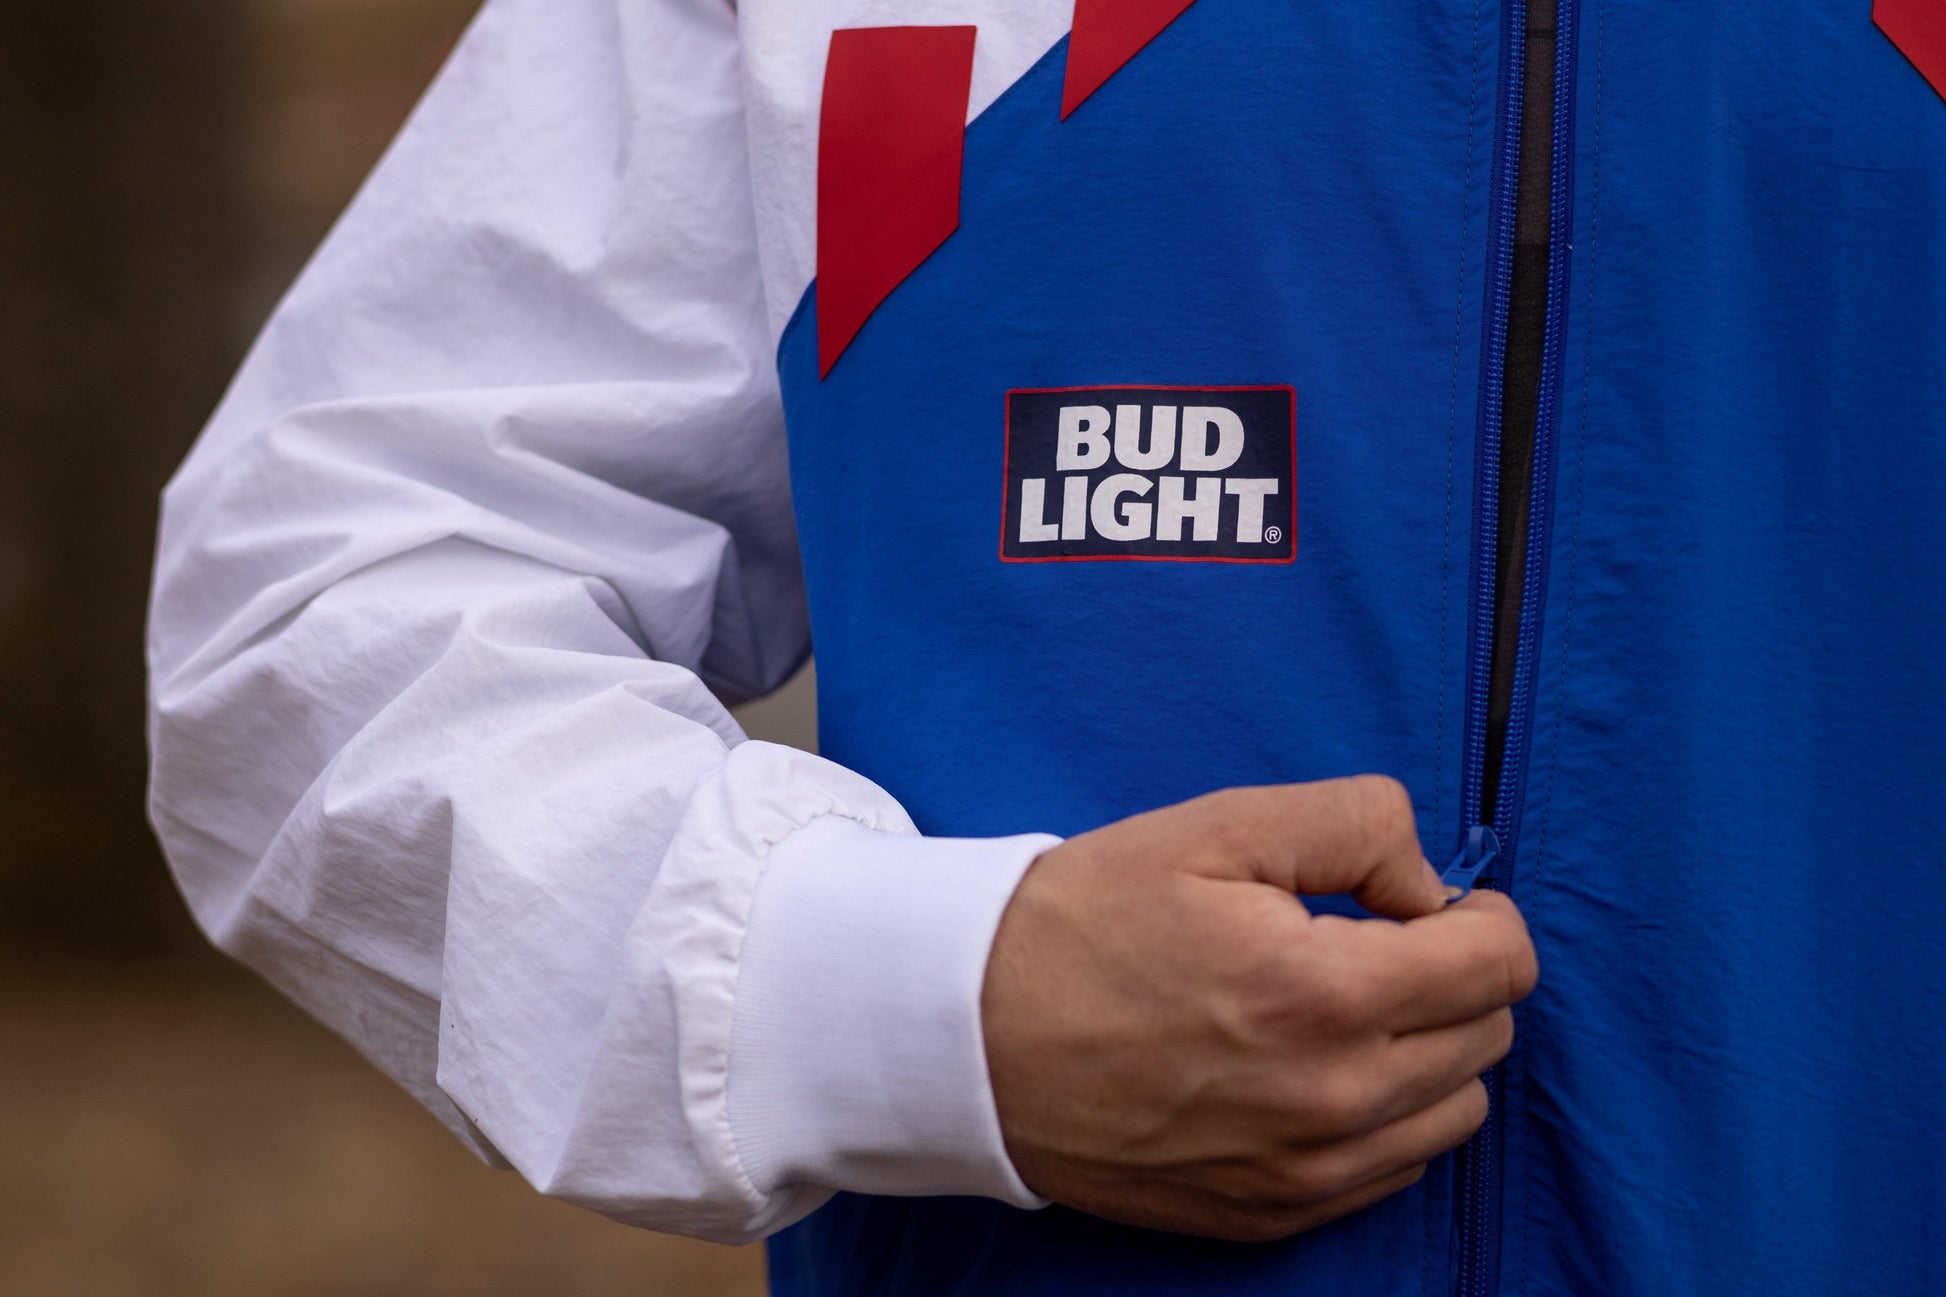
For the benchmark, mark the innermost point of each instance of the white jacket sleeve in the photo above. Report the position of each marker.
(442, 595)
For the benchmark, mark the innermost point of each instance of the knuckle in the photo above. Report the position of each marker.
(1304, 1181)
(1501, 1038)
(1338, 1103)
(1385, 800)
(1346, 998)
(1264, 996)
(1473, 1111)
(1218, 805)
(1382, 807)
(1519, 970)
(1235, 837)
(1524, 969)
(1502, 954)
(1228, 823)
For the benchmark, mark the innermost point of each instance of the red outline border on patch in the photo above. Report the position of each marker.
(1006, 473)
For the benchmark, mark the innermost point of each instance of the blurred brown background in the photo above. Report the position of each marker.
(167, 1126)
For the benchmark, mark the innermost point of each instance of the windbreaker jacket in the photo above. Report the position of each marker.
(1131, 372)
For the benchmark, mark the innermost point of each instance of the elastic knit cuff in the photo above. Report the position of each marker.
(857, 1060)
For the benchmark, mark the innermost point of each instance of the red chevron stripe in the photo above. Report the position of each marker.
(1107, 34)
(890, 136)
(1918, 28)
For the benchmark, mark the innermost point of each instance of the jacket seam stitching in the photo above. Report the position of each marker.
(1574, 557)
(1446, 555)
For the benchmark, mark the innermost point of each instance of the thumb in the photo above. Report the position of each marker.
(1354, 835)
(1408, 888)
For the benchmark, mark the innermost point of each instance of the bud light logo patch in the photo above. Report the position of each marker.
(1179, 474)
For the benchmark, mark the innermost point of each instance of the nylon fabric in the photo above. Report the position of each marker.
(1732, 797)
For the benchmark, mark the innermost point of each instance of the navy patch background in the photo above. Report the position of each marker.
(1269, 417)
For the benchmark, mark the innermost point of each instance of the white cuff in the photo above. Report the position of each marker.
(857, 1060)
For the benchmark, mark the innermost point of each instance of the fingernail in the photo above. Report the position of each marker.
(1454, 893)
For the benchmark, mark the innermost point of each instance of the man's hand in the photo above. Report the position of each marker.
(1176, 1042)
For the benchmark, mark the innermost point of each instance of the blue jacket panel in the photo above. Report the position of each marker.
(1724, 807)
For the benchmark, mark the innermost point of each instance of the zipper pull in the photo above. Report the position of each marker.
(1481, 849)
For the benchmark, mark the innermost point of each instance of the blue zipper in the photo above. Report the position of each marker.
(1504, 179)
(1486, 854)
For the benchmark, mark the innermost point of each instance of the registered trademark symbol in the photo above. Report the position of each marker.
(1273, 534)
